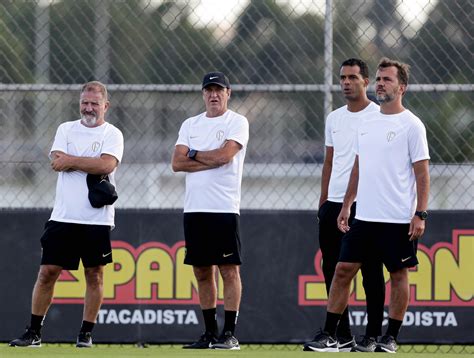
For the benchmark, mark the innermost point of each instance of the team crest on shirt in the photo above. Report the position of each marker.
(390, 136)
(95, 146)
(220, 135)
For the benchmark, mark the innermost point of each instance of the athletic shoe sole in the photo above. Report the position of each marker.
(345, 350)
(322, 350)
(384, 350)
(226, 349)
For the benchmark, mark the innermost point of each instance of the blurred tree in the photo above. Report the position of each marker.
(367, 29)
(16, 42)
(441, 52)
(389, 38)
(180, 52)
(130, 38)
(272, 45)
(72, 41)
(349, 40)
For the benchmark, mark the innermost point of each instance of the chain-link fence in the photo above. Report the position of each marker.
(282, 58)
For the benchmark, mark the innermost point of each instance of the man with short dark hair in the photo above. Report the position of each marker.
(340, 132)
(391, 179)
(211, 149)
(77, 230)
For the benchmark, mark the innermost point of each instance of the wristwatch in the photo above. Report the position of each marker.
(423, 215)
(192, 153)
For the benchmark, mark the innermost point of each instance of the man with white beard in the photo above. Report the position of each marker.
(85, 150)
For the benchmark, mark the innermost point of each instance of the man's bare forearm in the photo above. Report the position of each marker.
(105, 164)
(189, 165)
(213, 158)
(203, 160)
(422, 176)
(326, 175)
(180, 162)
(93, 165)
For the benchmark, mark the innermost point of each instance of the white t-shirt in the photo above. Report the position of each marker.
(215, 190)
(72, 203)
(340, 133)
(387, 146)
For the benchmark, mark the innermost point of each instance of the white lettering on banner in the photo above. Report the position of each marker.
(428, 319)
(125, 316)
(425, 319)
(359, 317)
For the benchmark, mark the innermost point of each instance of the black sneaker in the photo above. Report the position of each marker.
(387, 344)
(84, 340)
(345, 344)
(366, 344)
(323, 342)
(227, 341)
(30, 338)
(205, 341)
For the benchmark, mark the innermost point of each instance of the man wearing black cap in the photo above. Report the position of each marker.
(80, 224)
(211, 149)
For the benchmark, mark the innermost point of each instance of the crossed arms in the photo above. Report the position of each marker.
(62, 162)
(204, 160)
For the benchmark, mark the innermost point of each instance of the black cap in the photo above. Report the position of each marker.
(101, 191)
(215, 78)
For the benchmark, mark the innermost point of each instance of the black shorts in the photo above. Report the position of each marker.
(330, 237)
(385, 241)
(212, 239)
(64, 244)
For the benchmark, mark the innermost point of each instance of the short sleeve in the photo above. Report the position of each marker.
(113, 143)
(355, 143)
(239, 130)
(328, 142)
(417, 142)
(183, 135)
(60, 140)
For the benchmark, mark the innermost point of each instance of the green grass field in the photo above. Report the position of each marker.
(266, 351)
